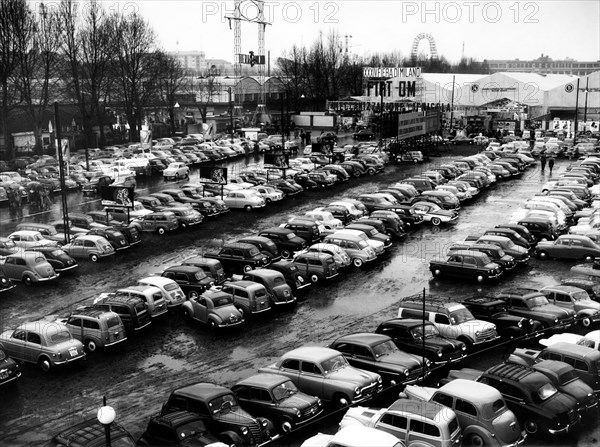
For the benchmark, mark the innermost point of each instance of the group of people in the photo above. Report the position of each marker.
(543, 163)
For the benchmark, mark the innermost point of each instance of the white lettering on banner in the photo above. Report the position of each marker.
(391, 72)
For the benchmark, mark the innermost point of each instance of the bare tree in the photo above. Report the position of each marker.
(37, 52)
(13, 16)
(135, 68)
(170, 82)
(204, 89)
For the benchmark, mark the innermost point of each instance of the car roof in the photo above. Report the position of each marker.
(264, 273)
(311, 353)
(42, 325)
(477, 254)
(363, 338)
(471, 390)
(564, 288)
(173, 268)
(177, 418)
(427, 410)
(570, 348)
(277, 230)
(367, 436)
(263, 380)
(406, 322)
(202, 390)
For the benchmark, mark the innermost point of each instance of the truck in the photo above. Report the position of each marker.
(239, 258)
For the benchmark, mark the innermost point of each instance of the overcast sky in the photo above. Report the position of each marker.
(489, 30)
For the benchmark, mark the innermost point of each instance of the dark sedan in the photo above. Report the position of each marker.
(407, 334)
(378, 353)
(276, 398)
(363, 135)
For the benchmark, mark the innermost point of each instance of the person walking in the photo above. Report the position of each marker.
(551, 164)
(543, 162)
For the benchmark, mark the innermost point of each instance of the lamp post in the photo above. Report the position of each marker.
(106, 416)
(576, 113)
(587, 83)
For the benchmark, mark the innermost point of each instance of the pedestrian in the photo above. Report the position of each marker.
(551, 164)
(543, 162)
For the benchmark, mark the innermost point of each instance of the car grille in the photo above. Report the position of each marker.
(450, 355)
(370, 390)
(573, 417)
(566, 321)
(310, 411)
(487, 334)
(256, 433)
(416, 374)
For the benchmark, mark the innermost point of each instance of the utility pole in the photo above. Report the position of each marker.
(452, 106)
(230, 114)
(61, 169)
(587, 84)
(576, 113)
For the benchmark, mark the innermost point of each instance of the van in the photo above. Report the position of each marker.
(316, 266)
(126, 215)
(150, 295)
(131, 309)
(249, 297)
(96, 328)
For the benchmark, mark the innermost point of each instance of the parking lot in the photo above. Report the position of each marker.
(137, 378)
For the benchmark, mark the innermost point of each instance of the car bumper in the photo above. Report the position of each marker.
(70, 360)
(116, 342)
(139, 328)
(66, 269)
(228, 324)
(49, 278)
(12, 379)
(566, 429)
(486, 340)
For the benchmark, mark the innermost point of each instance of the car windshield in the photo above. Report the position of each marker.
(2, 355)
(493, 410)
(170, 286)
(461, 316)
(538, 300)
(385, 348)
(140, 308)
(9, 243)
(430, 331)
(579, 296)
(284, 390)
(567, 377)
(59, 337)
(223, 301)
(254, 251)
(363, 244)
(199, 275)
(546, 391)
(334, 363)
(290, 236)
(223, 403)
(190, 429)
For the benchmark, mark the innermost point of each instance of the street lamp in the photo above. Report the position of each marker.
(106, 416)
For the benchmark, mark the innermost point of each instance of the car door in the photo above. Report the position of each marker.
(148, 223)
(11, 269)
(75, 325)
(32, 347)
(311, 378)
(15, 346)
(576, 250)
(77, 249)
(393, 424)
(442, 322)
(454, 265)
(200, 309)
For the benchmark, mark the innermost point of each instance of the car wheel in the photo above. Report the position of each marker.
(542, 255)
(437, 273)
(91, 346)
(248, 208)
(193, 295)
(268, 200)
(315, 278)
(285, 425)
(475, 440)
(27, 280)
(531, 427)
(341, 400)
(94, 257)
(286, 254)
(44, 364)
(586, 322)
(589, 258)
(371, 171)
(247, 268)
(357, 262)
(436, 221)
(161, 230)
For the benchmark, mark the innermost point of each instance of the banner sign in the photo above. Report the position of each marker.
(211, 174)
(411, 125)
(374, 106)
(121, 196)
(277, 159)
(391, 72)
(433, 121)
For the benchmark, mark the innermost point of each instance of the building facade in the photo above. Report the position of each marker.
(544, 65)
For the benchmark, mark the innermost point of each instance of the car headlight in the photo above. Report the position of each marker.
(357, 391)
(318, 402)
(379, 380)
(520, 323)
(556, 319)
(244, 430)
(439, 354)
(531, 322)
(264, 423)
(464, 347)
(298, 413)
(477, 333)
(406, 372)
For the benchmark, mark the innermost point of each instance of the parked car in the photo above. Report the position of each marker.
(176, 171)
(151, 296)
(412, 422)
(433, 213)
(506, 262)
(277, 399)
(212, 267)
(247, 200)
(325, 373)
(587, 311)
(92, 433)
(279, 292)
(291, 273)
(9, 369)
(180, 428)
(221, 413)
(466, 264)
(43, 343)
(568, 246)
(452, 319)
(378, 353)
(481, 410)
(495, 311)
(192, 280)
(356, 247)
(95, 328)
(249, 297)
(422, 338)
(317, 267)
(93, 248)
(286, 241)
(214, 308)
(30, 267)
(160, 222)
(115, 237)
(354, 436)
(30, 239)
(530, 395)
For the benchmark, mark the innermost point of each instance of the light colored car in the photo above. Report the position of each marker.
(302, 164)
(354, 436)
(170, 290)
(357, 248)
(269, 193)
(28, 266)
(91, 247)
(590, 340)
(44, 343)
(244, 199)
(413, 422)
(350, 206)
(30, 239)
(325, 218)
(326, 373)
(339, 255)
(176, 171)
(376, 245)
(95, 328)
(150, 295)
(433, 213)
(481, 411)
(587, 311)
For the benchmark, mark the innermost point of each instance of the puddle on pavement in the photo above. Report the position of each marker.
(160, 360)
